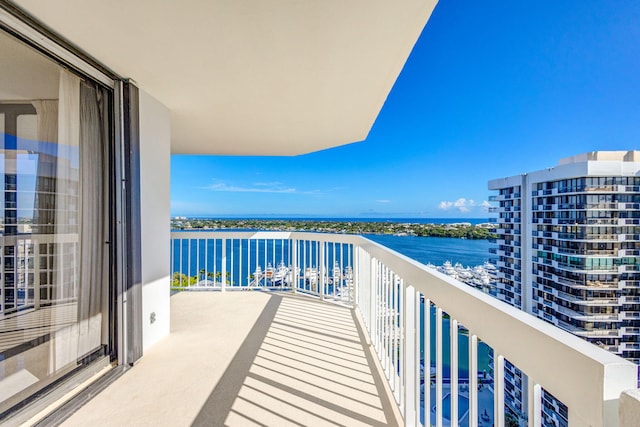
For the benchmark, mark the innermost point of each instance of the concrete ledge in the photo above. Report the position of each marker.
(629, 409)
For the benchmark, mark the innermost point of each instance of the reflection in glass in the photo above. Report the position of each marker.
(53, 300)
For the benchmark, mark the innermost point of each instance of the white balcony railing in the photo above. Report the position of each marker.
(391, 294)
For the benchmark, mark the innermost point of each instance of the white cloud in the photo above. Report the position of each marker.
(260, 187)
(256, 187)
(445, 205)
(463, 205)
(383, 201)
(267, 184)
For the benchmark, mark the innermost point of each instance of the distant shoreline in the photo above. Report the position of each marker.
(463, 229)
(418, 220)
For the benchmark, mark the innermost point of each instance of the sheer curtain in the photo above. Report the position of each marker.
(47, 134)
(92, 226)
(47, 111)
(80, 216)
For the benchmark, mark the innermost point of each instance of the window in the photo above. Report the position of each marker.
(54, 286)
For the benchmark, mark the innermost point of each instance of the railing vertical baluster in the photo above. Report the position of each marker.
(333, 269)
(383, 317)
(379, 306)
(411, 381)
(381, 314)
(303, 263)
(250, 269)
(372, 301)
(498, 386)
(354, 289)
(224, 265)
(294, 266)
(197, 262)
(392, 331)
(188, 261)
(387, 323)
(241, 276)
(206, 261)
(439, 411)
(321, 270)
(232, 265)
(453, 371)
(400, 351)
(535, 404)
(172, 260)
(396, 336)
(426, 368)
(473, 380)
(180, 261)
(215, 258)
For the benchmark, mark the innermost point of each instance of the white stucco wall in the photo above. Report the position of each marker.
(155, 159)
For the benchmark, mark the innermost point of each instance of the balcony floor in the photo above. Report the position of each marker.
(249, 358)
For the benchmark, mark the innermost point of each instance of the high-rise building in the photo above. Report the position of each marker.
(568, 250)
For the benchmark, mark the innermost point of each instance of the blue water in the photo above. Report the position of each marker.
(463, 349)
(463, 405)
(436, 250)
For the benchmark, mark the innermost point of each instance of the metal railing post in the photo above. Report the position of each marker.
(411, 341)
(224, 265)
(294, 265)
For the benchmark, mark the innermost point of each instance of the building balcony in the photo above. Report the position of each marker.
(628, 237)
(591, 301)
(588, 317)
(279, 328)
(590, 333)
(629, 284)
(628, 252)
(628, 268)
(347, 312)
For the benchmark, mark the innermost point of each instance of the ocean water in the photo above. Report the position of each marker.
(437, 250)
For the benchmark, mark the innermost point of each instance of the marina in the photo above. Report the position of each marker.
(482, 277)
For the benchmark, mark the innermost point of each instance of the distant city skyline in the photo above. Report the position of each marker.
(490, 90)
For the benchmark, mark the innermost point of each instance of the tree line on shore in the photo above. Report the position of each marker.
(459, 230)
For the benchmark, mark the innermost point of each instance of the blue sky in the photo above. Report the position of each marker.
(491, 89)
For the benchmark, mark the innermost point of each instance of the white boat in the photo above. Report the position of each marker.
(280, 274)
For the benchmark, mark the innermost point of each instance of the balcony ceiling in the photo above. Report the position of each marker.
(267, 77)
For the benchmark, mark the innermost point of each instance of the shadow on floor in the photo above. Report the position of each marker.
(303, 363)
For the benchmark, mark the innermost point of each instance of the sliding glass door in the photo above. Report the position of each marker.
(55, 134)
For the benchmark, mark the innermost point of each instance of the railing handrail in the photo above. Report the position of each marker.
(576, 369)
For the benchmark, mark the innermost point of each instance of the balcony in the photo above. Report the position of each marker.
(588, 317)
(328, 331)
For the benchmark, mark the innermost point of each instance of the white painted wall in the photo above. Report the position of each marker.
(155, 159)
